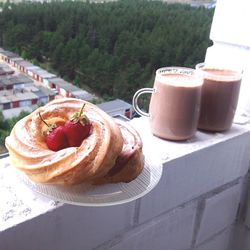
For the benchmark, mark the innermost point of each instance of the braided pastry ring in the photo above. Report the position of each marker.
(92, 159)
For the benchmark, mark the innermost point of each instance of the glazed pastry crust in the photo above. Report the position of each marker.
(92, 159)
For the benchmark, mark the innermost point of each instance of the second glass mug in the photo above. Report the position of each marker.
(219, 97)
(175, 103)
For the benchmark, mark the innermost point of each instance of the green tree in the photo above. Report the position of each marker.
(6, 125)
(112, 48)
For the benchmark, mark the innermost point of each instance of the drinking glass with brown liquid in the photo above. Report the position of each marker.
(220, 92)
(174, 104)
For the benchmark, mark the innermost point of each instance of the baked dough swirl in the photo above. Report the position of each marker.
(92, 159)
(130, 161)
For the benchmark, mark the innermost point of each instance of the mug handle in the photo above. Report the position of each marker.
(135, 100)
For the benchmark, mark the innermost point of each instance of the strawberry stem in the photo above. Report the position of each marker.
(50, 127)
(77, 116)
(81, 110)
(43, 120)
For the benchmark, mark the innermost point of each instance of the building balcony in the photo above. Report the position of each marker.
(199, 203)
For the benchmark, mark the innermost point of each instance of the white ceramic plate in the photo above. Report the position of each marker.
(103, 195)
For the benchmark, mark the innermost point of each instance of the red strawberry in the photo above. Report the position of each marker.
(57, 139)
(77, 129)
(55, 136)
(76, 132)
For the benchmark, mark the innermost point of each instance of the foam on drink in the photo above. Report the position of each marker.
(184, 80)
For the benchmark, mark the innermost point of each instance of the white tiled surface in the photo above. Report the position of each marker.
(172, 231)
(219, 212)
(219, 242)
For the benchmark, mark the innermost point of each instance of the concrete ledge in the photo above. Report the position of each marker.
(196, 167)
(193, 207)
(69, 227)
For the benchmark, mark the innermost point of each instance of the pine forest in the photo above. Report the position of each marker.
(111, 48)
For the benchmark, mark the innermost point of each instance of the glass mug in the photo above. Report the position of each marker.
(174, 104)
(219, 97)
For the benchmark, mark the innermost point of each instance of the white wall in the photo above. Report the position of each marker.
(230, 34)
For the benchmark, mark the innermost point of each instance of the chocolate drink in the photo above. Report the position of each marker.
(174, 106)
(219, 100)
